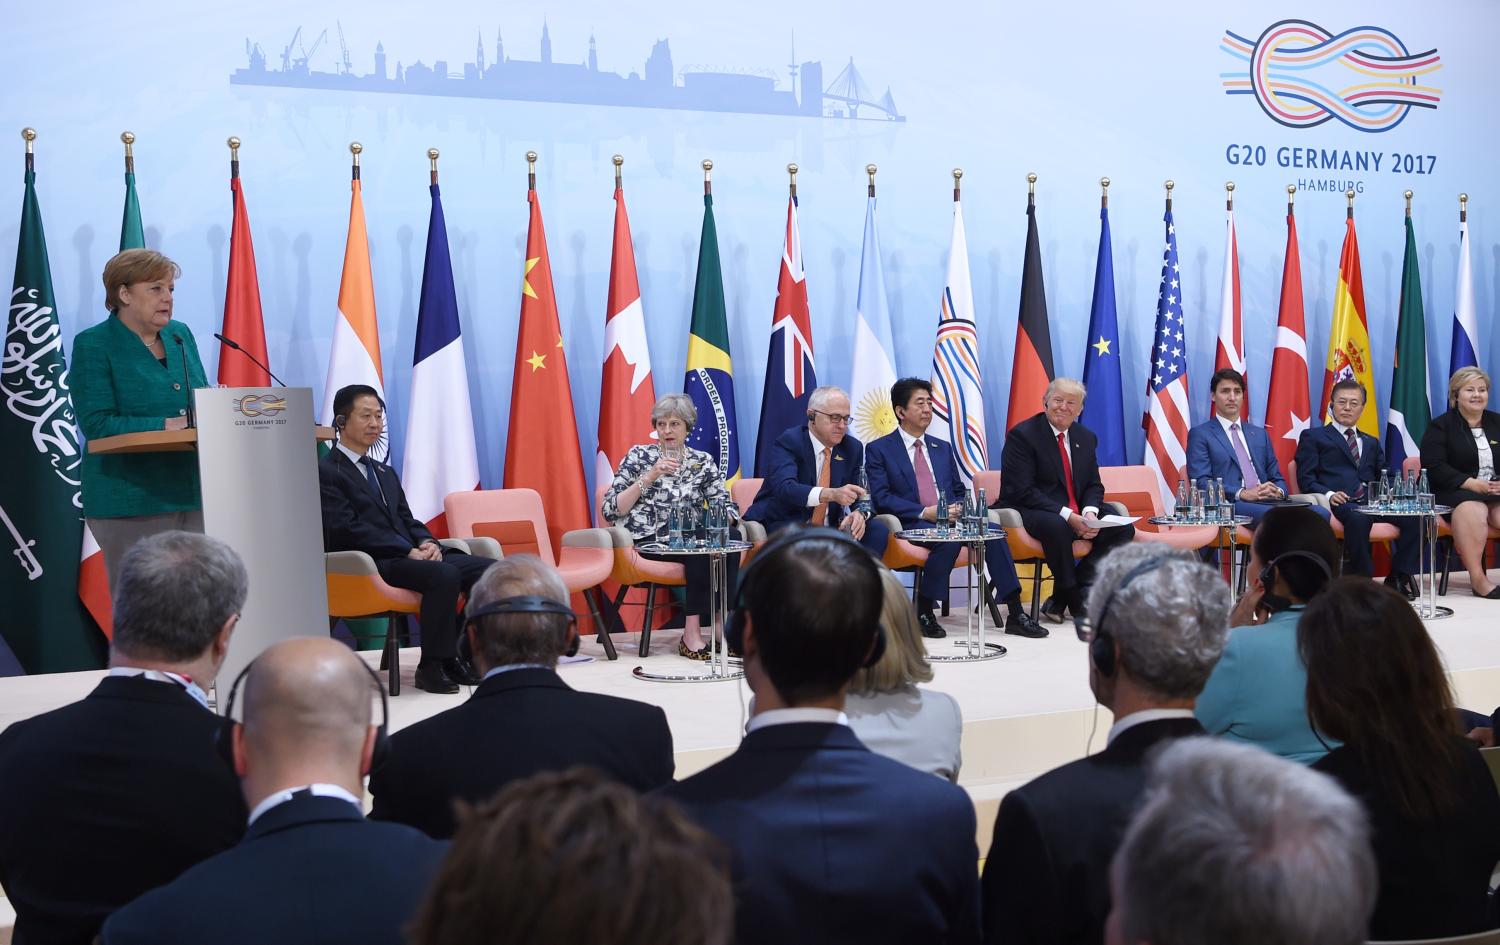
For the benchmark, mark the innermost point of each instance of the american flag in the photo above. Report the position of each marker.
(1166, 420)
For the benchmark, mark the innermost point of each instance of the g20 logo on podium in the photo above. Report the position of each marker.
(1301, 75)
(259, 405)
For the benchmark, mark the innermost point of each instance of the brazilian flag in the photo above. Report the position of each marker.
(710, 368)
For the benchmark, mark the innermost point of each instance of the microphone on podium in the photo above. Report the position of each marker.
(235, 345)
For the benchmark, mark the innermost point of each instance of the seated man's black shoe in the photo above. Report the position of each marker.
(1021, 624)
(431, 678)
(1053, 610)
(930, 626)
(459, 670)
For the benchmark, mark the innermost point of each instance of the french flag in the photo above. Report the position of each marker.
(441, 456)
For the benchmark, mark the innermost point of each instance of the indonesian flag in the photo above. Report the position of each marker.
(1231, 351)
(1349, 339)
(242, 319)
(626, 393)
(441, 456)
(354, 355)
(1287, 410)
(543, 451)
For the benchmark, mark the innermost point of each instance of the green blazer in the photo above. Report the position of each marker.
(118, 386)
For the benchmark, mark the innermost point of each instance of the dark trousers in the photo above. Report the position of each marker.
(874, 539)
(1257, 511)
(1056, 537)
(1407, 553)
(937, 572)
(696, 569)
(439, 583)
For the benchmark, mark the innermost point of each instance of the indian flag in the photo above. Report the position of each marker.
(354, 357)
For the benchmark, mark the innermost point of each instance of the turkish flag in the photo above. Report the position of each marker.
(542, 451)
(1288, 412)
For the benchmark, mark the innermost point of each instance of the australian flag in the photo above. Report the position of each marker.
(790, 376)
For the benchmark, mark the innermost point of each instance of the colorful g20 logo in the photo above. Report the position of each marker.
(1302, 75)
(259, 405)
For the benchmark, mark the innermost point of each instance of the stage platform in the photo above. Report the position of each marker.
(1024, 713)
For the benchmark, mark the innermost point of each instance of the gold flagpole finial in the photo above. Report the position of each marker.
(791, 171)
(354, 148)
(870, 170)
(1229, 195)
(1031, 183)
(1408, 195)
(1291, 194)
(432, 156)
(128, 137)
(708, 177)
(531, 170)
(234, 148)
(1170, 185)
(619, 162)
(1103, 192)
(958, 174)
(29, 135)
(1350, 195)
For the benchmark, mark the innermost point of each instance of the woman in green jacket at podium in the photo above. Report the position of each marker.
(134, 372)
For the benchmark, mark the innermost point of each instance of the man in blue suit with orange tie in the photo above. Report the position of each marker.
(907, 469)
(1239, 453)
(1336, 460)
(814, 474)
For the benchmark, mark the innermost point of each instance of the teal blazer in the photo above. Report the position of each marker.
(1258, 692)
(118, 386)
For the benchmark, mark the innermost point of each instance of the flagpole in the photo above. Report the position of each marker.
(1104, 193)
(432, 156)
(1350, 195)
(791, 170)
(234, 157)
(1229, 196)
(1408, 196)
(1463, 208)
(958, 174)
(708, 184)
(1169, 185)
(129, 138)
(619, 161)
(354, 148)
(1031, 189)
(871, 169)
(531, 170)
(1291, 193)
(29, 135)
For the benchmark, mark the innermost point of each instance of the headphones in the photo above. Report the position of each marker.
(223, 735)
(734, 632)
(1101, 646)
(1276, 604)
(532, 604)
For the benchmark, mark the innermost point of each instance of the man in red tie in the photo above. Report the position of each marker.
(1049, 472)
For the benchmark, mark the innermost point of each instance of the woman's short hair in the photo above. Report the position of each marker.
(132, 266)
(904, 662)
(675, 405)
(1298, 528)
(1461, 377)
(571, 856)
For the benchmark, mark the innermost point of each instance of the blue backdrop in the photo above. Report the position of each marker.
(1071, 90)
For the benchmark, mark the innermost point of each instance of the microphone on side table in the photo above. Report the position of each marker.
(187, 386)
(253, 360)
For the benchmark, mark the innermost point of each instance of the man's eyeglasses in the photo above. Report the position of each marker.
(837, 419)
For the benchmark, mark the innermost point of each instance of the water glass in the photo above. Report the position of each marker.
(725, 524)
(675, 540)
(940, 515)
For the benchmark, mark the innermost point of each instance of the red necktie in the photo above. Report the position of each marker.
(1062, 450)
(926, 485)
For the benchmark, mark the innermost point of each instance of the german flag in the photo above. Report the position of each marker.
(1033, 362)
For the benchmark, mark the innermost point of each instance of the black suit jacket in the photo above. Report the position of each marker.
(1324, 463)
(516, 724)
(354, 519)
(106, 798)
(1448, 450)
(831, 842)
(1031, 471)
(1434, 875)
(311, 870)
(782, 499)
(1046, 879)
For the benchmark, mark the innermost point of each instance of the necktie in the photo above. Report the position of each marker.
(1353, 441)
(1247, 468)
(1062, 450)
(926, 484)
(369, 465)
(820, 514)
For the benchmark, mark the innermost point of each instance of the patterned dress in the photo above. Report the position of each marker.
(697, 480)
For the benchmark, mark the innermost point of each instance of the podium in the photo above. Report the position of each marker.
(258, 468)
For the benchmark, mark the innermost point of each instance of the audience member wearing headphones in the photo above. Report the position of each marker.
(829, 841)
(573, 857)
(364, 509)
(311, 869)
(120, 792)
(888, 711)
(1258, 692)
(1159, 619)
(1233, 846)
(523, 719)
(1376, 683)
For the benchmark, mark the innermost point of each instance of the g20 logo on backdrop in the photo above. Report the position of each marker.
(1301, 75)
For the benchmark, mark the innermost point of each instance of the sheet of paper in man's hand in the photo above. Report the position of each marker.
(1111, 521)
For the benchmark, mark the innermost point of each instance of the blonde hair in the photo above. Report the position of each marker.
(132, 266)
(1461, 377)
(1066, 385)
(904, 662)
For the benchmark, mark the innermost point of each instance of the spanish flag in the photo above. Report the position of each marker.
(1349, 338)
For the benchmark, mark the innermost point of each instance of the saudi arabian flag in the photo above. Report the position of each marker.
(1410, 411)
(41, 511)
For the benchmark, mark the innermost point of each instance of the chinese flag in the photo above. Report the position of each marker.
(242, 320)
(542, 451)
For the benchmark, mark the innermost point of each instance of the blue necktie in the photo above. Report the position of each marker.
(369, 465)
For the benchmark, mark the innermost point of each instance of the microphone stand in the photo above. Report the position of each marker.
(253, 359)
(187, 386)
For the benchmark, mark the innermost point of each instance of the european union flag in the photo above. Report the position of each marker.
(1104, 407)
